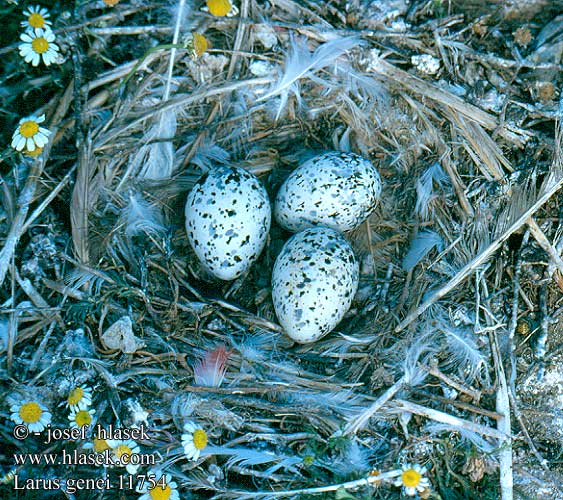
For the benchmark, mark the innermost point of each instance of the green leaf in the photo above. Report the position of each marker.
(342, 494)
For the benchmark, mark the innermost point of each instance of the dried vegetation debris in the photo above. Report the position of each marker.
(459, 110)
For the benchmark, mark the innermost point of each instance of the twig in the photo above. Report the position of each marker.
(502, 406)
(433, 370)
(350, 485)
(553, 185)
(541, 343)
(514, 315)
(241, 30)
(16, 230)
(47, 201)
(181, 101)
(446, 418)
(542, 461)
(443, 97)
(360, 421)
(503, 425)
(543, 242)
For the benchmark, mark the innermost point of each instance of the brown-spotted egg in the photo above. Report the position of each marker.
(228, 217)
(314, 280)
(337, 190)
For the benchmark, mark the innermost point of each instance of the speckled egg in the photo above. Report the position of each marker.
(337, 190)
(228, 217)
(314, 280)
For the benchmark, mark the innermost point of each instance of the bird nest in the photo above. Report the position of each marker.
(443, 380)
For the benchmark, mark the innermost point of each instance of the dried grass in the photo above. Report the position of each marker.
(286, 420)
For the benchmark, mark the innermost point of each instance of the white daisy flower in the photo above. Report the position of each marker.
(194, 440)
(79, 398)
(30, 135)
(39, 44)
(80, 418)
(31, 413)
(125, 454)
(36, 18)
(165, 488)
(412, 479)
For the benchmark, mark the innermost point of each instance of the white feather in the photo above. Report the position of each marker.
(301, 63)
(155, 158)
(78, 277)
(353, 459)
(421, 246)
(479, 442)
(208, 154)
(425, 188)
(418, 353)
(139, 216)
(364, 87)
(465, 356)
(249, 457)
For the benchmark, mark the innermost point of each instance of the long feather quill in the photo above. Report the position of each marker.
(301, 63)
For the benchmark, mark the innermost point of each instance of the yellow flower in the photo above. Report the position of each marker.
(199, 44)
(194, 440)
(80, 418)
(100, 445)
(38, 44)
(125, 454)
(165, 488)
(219, 8)
(30, 135)
(36, 18)
(79, 398)
(34, 153)
(32, 414)
(412, 479)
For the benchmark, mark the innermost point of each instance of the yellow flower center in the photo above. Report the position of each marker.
(411, 478)
(77, 393)
(30, 413)
(121, 450)
(36, 20)
(29, 129)
(200, 44)
(219, 8)
(159, 493)
(83, 418)
(40, 45)
(111, 3)
(100, 445)
(200, 439)
(35, 152)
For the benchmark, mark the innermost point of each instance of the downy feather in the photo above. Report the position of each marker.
(301, 63)
(353, 459)
(480, 443)
(425, 189)
(465, 356)
(418, 353)
(139, 216)
(249, 457)
(421, 246)
(208, 154)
